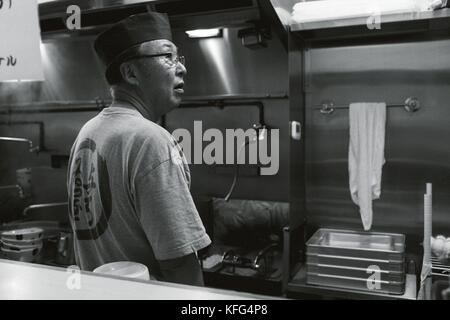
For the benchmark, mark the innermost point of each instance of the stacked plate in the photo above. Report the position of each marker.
(367, 261)
(22, 244)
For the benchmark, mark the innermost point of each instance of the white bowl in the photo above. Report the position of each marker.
(125, 269)
(26, 255)
(19, 246)
(23, 234)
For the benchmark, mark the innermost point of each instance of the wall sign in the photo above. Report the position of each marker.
(20, 34)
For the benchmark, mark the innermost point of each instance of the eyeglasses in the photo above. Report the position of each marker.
(172, 59)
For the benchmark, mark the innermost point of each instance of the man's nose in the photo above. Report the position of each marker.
(181, 69)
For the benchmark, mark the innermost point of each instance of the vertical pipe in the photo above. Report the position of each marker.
(427, 228)
(286, 259)
(427, 232)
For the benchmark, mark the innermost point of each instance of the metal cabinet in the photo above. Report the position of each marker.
(416, 34)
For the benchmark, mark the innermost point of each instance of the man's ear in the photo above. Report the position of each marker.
(128, 72)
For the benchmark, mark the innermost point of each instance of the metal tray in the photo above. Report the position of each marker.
(367, 245)
(355, 262)
(355, 283)
(362, 273)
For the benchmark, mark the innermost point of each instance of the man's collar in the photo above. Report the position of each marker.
(121, 95)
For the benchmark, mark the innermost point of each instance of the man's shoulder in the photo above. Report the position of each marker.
(149, 138)
(153, 145)
(149, 131)
(126, 130)
(130, 123)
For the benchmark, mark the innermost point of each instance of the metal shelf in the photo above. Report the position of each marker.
(391, 24)
(298, 285)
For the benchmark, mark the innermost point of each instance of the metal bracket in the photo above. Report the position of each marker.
(327, 107)
(412, 104)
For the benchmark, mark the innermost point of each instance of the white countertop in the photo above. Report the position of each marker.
(27, 281)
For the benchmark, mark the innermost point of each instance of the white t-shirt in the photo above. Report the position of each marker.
(129, 198)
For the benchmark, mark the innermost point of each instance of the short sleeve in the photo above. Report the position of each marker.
(167, 212)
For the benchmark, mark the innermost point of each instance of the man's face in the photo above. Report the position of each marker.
(161, 83)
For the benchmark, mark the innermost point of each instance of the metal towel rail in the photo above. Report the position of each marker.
(411, 104)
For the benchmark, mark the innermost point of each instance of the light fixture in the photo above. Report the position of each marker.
(204, 33)
(255, 37)
(20, 80)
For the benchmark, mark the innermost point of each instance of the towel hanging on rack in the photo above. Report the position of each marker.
(366, 155)
(411, 104)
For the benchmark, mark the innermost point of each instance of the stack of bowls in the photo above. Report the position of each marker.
(22, 244)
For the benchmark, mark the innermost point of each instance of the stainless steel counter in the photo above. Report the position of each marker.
(19, 280)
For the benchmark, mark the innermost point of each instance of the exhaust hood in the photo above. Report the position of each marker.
(96, 15)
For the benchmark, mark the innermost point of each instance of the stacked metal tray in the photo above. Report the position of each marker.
(367, 261)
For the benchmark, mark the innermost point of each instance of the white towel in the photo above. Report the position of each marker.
(366, 155)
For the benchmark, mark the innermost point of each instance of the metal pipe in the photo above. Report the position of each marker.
(50, 110)
(55, 103)
(260, 135)
(55, 106)
(41, 129)
(411, 104)
(263, 260)
(286, 259)
(30, 143)
(43, 205)
(266, 96)
(68, 106)
(223, 104)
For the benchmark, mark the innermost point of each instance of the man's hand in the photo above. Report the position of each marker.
(185, 270)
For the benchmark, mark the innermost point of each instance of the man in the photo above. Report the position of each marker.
(128, 180)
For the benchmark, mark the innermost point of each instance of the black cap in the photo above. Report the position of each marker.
(129, 32)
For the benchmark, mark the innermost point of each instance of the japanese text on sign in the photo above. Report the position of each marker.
(8, 61)
(20, 34)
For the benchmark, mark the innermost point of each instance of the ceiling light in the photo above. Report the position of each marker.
(204, 33)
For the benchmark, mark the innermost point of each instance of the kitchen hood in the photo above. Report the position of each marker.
(96, 15)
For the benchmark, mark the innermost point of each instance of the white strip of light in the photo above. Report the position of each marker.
(203, 33)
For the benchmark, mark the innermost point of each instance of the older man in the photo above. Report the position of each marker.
(128, 180)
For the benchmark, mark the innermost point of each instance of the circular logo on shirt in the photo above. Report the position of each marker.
(91, 200)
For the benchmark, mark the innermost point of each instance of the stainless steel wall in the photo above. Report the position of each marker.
(73, 73)
(224, 66)
(417, 146)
